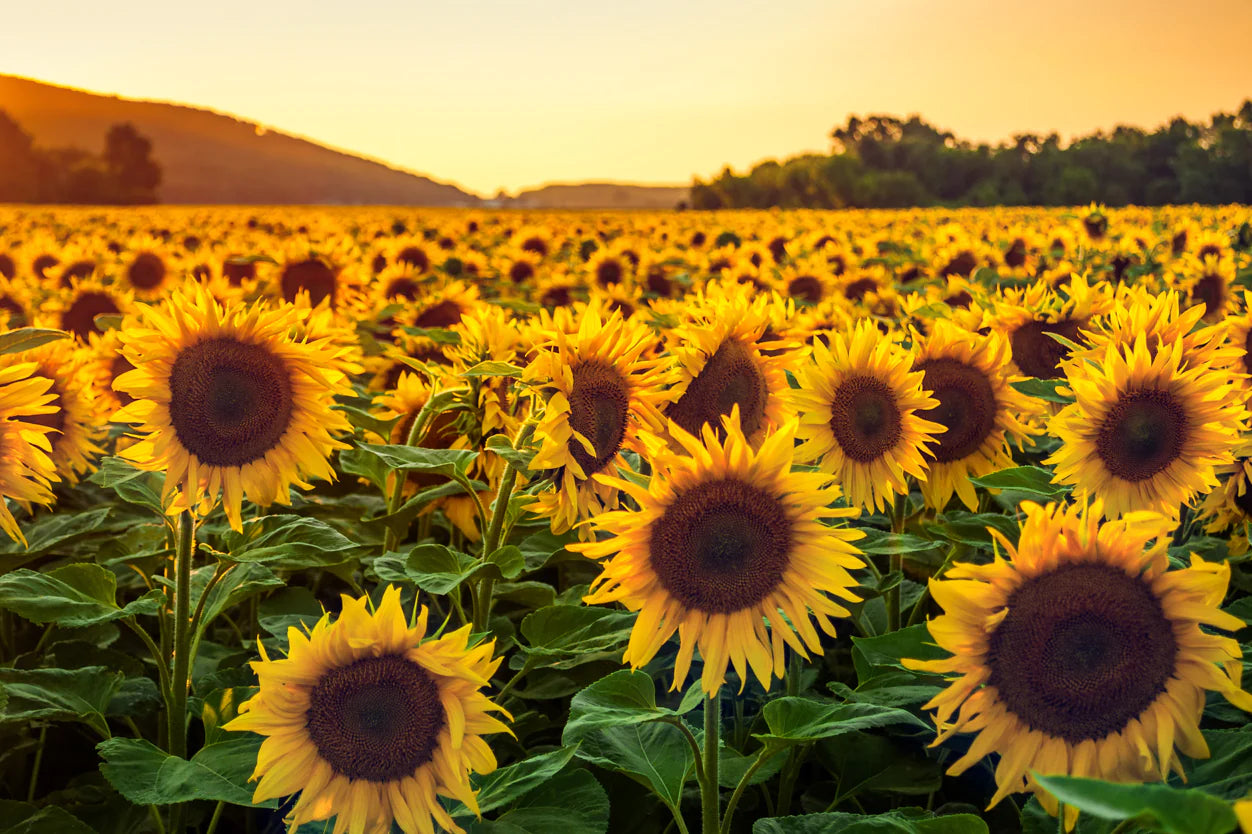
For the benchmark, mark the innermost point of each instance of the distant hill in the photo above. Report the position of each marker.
(600, 195)
(211, 158)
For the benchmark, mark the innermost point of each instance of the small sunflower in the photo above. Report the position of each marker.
(372, 722)
(26, 466)
(79, 423)
(603, 394)
(1228, 508)
(1145, 432)
(1082, 654)
(724, 539)
(75, 310)
(969, 374)
(229, 401)
(859, 407)
(1028, 318)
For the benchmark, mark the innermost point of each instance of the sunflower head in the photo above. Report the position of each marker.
(725, 539)
(371, 721)
(1081, 654)
(26, 466)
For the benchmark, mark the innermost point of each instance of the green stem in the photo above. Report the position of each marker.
(761, 758)
(176, 706)
(710, 795)
(390, 538)
(795, 671)
(898, 513)
(508, 686)
(162, 664)
(491, 540)
(217, 815)
(919, 607)
(691, 742)
(34, 770)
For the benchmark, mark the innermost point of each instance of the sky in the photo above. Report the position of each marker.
(505, 94)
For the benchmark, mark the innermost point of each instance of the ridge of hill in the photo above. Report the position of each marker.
(600, 195)
(211, 158)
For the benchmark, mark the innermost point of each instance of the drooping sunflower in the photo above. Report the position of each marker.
(372, 722)
(1145, 432)
(604, 391)
(1228, 508)
(1081, 654)
(26, 467)
(228, 401)
(970, 375)
(726, 538)
(859, 405)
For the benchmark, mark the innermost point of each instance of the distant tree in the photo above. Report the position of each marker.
(19, 164)
(128, 160)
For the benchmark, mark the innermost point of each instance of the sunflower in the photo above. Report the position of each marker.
(1030, 317)
(148, 268)
(602, 395)
(372, 722)
(228, 400)
(1081, 654)
(75, 310)
(969, 374)
(1209, 282)
(78, 424)
(1145, 432)
(1228, 508)
(1162, 319)
(722, 359)
(26, 467)
(858, 406)
(609, 268)
(726, 538)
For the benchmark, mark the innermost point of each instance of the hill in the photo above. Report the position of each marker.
(600, 195)
(208, 157)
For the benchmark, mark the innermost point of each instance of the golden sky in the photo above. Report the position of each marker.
(508, 94)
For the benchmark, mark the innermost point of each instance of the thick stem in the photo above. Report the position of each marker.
(710, 795)
(390, 538)
(491, 539)
(176, 707)
(899, 511)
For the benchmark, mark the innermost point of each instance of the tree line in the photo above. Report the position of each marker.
(123, 174)
(883, 161)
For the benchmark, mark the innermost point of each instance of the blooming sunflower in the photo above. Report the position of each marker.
(969, 374)
(371, 722)
(1028, 317)
(603, 394)
(228, 401)
(1145, 432)
(78, 422)
(1228, 508)
(858, 405)
(724, 539)
(26, 466)
(1081, 654)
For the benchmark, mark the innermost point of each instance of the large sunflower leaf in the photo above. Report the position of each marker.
(290, 542)
(73, 596)
(572, 802)
(147, 775)
(655, 755)
(617, 700)
(1155, 807)
(795, 720)
(899, 821)
(26, 338)
(26, 818)
(500, 787)
(1023, 481)
(565, 636)
(59, 695)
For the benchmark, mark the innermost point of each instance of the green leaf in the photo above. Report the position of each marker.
(25, 338)
(1170, 810)
(1228, 770)
(899, 821)
(508, 560)
(507, 784)
(874, 655)
(1030, 480)
(797, 720)
(1044, 389)
(50, 532)
(864, 762)
(47, 820)
(733, 765)
(446, 462)
(437, 569)
(617, 700)
(655, 755)
(572, 802)
(971, 528)
(59, 695)
(132, 485)
(73, 596)
(540, 548)
(147, 775)
(882, 542)
(491, 368)
(565, 636)
(241, 582)
(290, 542)
(519, 459)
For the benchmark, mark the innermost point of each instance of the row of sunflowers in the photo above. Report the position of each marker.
(376, 519)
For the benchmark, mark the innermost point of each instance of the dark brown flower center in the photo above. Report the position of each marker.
(230, 402)
(441, 314)
(1039, 355)
(79, 270)
(856, 290)
(414, 256)
(7, 267)
(311, 275)
(864, 418)
(1247, 353)
(962, 263)
(1083, 650)
(805, 288)
(521, 271)
(609, 272)
(1015, 255)
(1096, 225)
(1142, 434)
(1211, 292)
(721, 546)
(599, 403)
(967, 406)
(731, 377)
(376, 719)
(401, 288)
(146, 271)
(80, 317)
(42, 264)
(535, 244)
(55, 420)
(1243, 500)
(236, 270)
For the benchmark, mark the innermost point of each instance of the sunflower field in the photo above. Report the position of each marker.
(377, 520)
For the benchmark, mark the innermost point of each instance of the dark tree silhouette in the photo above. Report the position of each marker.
(128, 158)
